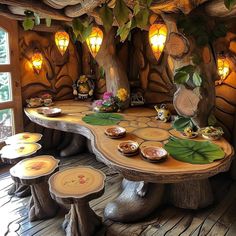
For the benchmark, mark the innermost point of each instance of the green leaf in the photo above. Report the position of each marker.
(123, 31)
(197, 79)
(48, 21)
(195, 152)
(86, 32)
(188, 69)
(36, 19)
(181, 77)
(229, 3)
(181, 123)
(149, 2)
(211, 120)
(102, 119)
(77, 26)
(106, 15)
(101, 72)
(136, 8)
(142, 18)
(28, 24)
(121, 12)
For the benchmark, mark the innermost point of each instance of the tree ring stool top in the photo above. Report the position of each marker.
(25, 137)
(77, 186)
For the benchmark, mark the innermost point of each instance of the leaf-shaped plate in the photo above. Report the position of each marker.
(195, 152)
(102, 119)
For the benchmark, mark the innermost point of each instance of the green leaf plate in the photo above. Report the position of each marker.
(195, 152)
(102, 119)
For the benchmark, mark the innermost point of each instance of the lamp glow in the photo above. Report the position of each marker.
(223, 67)
(37, 61)
(94, 40)
(62, 40)
(157, 38)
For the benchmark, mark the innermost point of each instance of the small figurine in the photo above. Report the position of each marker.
(83, 88)
(163, 113)
(137, 99)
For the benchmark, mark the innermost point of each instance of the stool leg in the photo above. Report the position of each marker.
(81, 220)
(41, 205)
(19, 190)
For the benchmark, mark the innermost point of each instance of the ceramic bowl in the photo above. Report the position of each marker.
(41, 110)
(154, 154)
(193, 135)
(34, 102)
(128, 147)
(211, 133)
(52, 112)
(115, 132)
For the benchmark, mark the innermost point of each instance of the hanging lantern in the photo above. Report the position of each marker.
(157, 38)
(37, 61)
(94, 40)
(223, 67)
(62, 40)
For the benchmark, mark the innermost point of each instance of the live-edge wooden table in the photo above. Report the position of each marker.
(146, 185)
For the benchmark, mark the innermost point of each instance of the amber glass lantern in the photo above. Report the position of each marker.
(94, 40)
(223, 67)
(157, 38)
(37, 61)
(62, 40)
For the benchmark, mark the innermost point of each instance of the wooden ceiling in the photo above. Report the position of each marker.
(66, 10)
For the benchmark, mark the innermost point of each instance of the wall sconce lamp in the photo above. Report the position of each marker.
(94, 40)
(223, 66)
(62, 40)
(37, 61)
(157, 38)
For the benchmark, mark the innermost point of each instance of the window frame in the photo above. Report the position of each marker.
(11, 27)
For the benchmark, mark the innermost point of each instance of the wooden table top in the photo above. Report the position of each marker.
(141, 127)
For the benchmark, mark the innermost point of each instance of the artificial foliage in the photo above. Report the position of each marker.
(194, 152)
(102, 118)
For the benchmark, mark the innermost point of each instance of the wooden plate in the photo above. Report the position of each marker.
(115, 132)
(128, 147)
(52, 112)
(154, 154)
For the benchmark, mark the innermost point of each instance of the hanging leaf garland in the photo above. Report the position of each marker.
(121, 12)
(102, 119)
(106, 15)
(195, 152)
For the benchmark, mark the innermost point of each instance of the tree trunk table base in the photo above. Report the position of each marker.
(81, 220)
(193, 194)
(19, 190)
(77, 186)
(41, 204)
(138, 200)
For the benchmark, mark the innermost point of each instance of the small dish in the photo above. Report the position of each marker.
(211, 133)
(128, 147)
(115, 132)
(154, 154)
(190, 136)
(41, 110)
(52, 112)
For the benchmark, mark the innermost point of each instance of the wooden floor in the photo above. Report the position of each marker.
(218, 220)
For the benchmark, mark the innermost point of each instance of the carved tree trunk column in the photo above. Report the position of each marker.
(188, 102)
(116, 76)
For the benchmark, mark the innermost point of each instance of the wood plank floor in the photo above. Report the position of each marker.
(217, 220)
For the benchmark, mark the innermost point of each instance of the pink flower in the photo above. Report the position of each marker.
(98, 103)
(107, 95)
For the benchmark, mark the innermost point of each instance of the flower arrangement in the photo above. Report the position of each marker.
(110, 103)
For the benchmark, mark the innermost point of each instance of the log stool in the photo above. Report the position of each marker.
(25, 137)
(36, 172)
(77, 186)
(12, 154)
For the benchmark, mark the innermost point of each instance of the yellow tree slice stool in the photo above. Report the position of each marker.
(25, 137)
(77, 186)
(12, 154)
(36, 172)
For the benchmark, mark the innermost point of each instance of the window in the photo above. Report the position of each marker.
(10, 91)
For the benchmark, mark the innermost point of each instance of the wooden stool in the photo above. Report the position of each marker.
(77, 186)
(24, 137)
(35, 172)
(12, 154)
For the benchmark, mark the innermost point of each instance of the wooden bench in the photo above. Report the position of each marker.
(12, 154)
(77, 186)
(36, 172)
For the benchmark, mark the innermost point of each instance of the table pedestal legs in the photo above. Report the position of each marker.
(19, 190)
(137, 201)
(81, 220)
(41, 204)
(193, 194)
